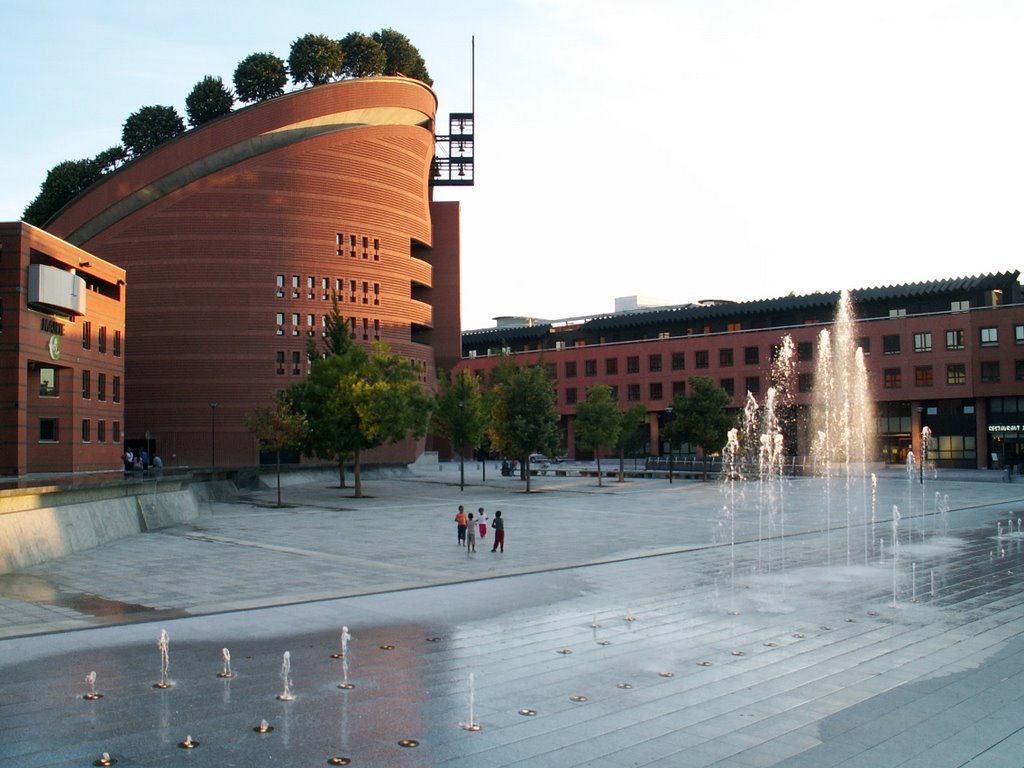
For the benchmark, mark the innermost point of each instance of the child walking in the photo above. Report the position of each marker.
(470, 535)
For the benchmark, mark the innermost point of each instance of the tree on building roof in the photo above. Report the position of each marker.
(209, 99)
(315, 60)
(260, 76)
(364, 56)
(403, 58)
(66, 180)
(150, 127)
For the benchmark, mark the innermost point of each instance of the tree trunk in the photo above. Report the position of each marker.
(341, 472)
(622, 465)
(525, 464)
(462, 472)
(597, 454)
(357, 473)
(279, 477)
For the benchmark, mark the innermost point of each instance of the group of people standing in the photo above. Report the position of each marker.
(467, 527)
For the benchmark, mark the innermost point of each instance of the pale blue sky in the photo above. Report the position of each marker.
(683, 149)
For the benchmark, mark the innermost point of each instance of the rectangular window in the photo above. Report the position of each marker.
(86, 334)
(751, 356)
(924, 376)
(805, 382)
(295, 323)
(101, 431)
(325, 288)
(279, 322)
(725, 358)
(570, 369)
(678, 361)
(865, 344)
(898, 312)
(376, 294)
(989, 336)
(115, 392)
(86, 436)
(923, 341)
(101, 386)
(1019, 370)
(804, 351)
(728, 386)
(310, 283)
(956, 373)
(611, 366)
(295, 286)
(891, 344)
(990, 372)
(86, 385)
(678, 389)
(654, 363)
(615, 392)
(701, 358)
(655, 390)
(570, 395)
(892, 378)
(101, 340)
(296, 363)
(959, 306)
(48, 382)
(633, 393)
(754, 385)
(117, 343)
(279, 359)
(590, 367)
(633, 364)
(734, 327)
(955, 339)
(48, 430)
(376, 330)
(115, 429)
(310, 325)
(1018, 334)
(279, 285)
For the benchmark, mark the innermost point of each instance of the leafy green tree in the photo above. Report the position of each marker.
(700, 418)
(597, 422)
(631, 434)
(149, 128)
(459, 415)
(209, 99)
(524, 419)
(260, 76)
(277, 429)
(315, 60)
(403, 58)
(364, 56)
(331, 435)
(66, 180)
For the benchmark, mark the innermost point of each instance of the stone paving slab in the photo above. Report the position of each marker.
(818, 649)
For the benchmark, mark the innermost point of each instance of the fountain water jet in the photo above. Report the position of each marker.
(91, 695)
(471, 723)
(226, 669)
(286, 680)
(164, 644)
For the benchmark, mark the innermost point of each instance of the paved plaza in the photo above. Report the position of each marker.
(639, 623)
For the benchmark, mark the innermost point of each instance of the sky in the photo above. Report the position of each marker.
(675, 149)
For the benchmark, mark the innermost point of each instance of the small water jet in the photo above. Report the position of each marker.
(471, 723)
(226, 668)
(286, 680)
(629, 615)
(577, 698)
(666, 673)
(594, 624)
(345, 637)
(188, 743)
(104, 759)
(91, 694)
(565, 651)
(263, 727)
(164, 644)
(338, 761)
(408, 743)
(624, 686)
(527, 712)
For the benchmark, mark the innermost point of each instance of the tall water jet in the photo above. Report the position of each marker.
(226, 667)
(842, 417)
(286, 678)
(91, 695)
(471, 723)
(164, 644)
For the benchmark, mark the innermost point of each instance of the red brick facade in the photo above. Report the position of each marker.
(235, 235)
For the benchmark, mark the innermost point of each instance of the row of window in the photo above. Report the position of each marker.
(344, 289)
(311, 327)
(101, 338)
(956, 374)
(49, 431)
(101, 386)
(350, 244)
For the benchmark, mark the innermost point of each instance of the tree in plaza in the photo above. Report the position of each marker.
(700, 418)
(403, 58)
(149, 128)
(209, 99)
(260, 76)
(364, 56)
(524, 419)
(598, 422)
(66, 180)
(315, 60)
(631, 436)
(277, 428)
(459, 415)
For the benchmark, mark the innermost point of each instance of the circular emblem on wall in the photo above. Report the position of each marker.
(55, 347)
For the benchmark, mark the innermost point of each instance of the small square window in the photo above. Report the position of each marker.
(804, 351)
(654, 363)
(956, 374)
(48, 430)
(611, 366)
(955, 338)
(590, 367)
(892, 378)
(891, 344)
(990, 372)
(728, 386)
(48, 382)
(990, 337)
(923, 341)
(751, 356)
(678, 361)
(86, 431)
(924, 376)
(570, 395)
(725, 358)
(655, 390)
(633, 364)
(701, 359)
(754, 385)
(570, 369)
(633, 393)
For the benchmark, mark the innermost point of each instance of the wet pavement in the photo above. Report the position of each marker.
(640, 623)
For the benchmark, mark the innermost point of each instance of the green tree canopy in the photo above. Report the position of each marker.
(277, 428)
(403, 58)
(209, 99)
(315, 60)
(150, 127)
(700, 418)
(631, 434)
(524, 419)
(260, 76)
(598, 422)
(66, 180)
(459, 415)
(364, 56)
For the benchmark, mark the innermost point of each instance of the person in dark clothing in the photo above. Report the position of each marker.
(499, 532)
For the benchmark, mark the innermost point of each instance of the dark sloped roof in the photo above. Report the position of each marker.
(512, 333)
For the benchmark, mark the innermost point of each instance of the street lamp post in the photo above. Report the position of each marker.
(671, 453)
(213, 435)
